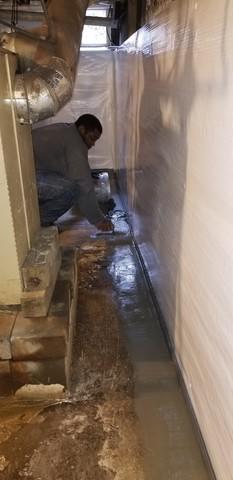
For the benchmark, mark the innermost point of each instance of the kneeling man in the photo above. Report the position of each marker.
(63, 172)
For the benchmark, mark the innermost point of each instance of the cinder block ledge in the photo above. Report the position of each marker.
(37, 350)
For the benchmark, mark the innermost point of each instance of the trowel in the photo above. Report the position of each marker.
(112, 233)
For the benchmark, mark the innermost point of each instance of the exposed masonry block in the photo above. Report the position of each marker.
(41, 347)
(47, 337)
(6, 386)
(36, 340)
(45, 372)
(39, 273)
(35, 303)
(38, 265)
(7, 320)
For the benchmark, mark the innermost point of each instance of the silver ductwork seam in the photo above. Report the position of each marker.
(47, 67)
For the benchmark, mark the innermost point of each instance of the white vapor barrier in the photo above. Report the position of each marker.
(93, 93)
(174, 125)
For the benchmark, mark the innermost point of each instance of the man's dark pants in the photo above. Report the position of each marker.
(56, 195)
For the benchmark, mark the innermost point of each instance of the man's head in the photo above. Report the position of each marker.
(89, 128)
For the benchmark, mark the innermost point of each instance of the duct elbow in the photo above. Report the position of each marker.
(47, 68)
(40, 93)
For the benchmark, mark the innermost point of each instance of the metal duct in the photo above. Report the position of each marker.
(47, 67)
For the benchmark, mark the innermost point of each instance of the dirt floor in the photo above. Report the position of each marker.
(93, 434)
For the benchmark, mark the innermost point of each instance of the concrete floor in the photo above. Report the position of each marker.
(126, 417)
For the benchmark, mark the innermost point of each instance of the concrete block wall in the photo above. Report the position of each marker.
(37, 350)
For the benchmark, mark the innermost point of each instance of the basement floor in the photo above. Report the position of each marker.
(126, 417)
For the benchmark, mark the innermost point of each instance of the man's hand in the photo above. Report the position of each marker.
(105, 225)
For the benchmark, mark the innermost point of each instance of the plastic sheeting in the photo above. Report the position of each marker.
(174, 97)
(173, 128)
(93, 93)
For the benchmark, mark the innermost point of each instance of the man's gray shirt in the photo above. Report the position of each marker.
(60, 149)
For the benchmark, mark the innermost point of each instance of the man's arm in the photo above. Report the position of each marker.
(88, 205)
(78, 169)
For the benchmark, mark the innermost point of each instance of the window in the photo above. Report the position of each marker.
(95, 35)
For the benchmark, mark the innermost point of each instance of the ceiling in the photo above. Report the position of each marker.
(28, 15)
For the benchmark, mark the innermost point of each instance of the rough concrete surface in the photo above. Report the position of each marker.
(93, 435)
(125, 417)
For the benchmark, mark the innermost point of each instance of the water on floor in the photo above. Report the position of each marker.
(125, 418)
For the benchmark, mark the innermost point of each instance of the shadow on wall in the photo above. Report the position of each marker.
(169, 92)
(166, 103)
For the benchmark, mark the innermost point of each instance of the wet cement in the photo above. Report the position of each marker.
(171, 450)
(126, 418)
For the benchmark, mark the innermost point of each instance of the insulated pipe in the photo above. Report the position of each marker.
(47, 67)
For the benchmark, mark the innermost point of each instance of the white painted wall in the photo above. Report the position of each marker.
(175, 156)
